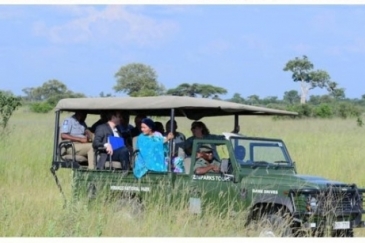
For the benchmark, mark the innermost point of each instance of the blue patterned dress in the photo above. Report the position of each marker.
(151, 155)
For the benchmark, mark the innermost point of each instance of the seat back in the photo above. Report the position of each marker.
(240, 152)
(224, 165)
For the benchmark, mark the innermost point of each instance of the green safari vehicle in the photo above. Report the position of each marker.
(257, 175)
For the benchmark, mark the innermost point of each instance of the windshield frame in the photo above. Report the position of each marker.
(269, 142)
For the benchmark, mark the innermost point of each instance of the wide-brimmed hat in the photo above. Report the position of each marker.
(205, 148)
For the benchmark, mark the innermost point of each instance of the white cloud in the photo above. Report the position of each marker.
(110, 24)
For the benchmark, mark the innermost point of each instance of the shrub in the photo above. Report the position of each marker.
(323, 111)
(348, 110)
(41, 107)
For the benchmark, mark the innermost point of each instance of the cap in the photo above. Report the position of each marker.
(205, 148)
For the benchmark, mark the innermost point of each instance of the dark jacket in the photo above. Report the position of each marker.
(102, 133)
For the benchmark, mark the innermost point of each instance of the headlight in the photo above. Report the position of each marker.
(312, 203)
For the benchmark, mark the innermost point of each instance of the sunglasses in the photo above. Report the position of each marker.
(210, 152)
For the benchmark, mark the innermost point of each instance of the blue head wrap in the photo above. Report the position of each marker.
(149, 122)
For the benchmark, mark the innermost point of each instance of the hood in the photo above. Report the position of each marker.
(318, 180)
(291, 180)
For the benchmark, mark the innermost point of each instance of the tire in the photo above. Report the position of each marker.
(343, 233)
(131, 207)
(274, 225)
(91, 191)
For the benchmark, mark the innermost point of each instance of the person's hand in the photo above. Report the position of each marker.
(109, 149)
(83, 140)
(170, 136)
(215, 168)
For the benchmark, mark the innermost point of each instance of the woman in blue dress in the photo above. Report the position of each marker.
(151, 146)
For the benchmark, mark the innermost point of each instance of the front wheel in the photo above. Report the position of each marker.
(274, 225)
(343, 233)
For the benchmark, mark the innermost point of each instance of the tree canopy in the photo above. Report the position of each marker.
(8, 104)
(138, 79)
(303, 71)
(195, 90)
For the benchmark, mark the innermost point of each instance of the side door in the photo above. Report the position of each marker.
(213, 191)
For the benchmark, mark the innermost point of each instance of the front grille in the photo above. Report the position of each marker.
(337, 202)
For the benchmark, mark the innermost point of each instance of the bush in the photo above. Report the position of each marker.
(41, 107)
(8, 104)
(304, 110)
(323, 111)
(348, 110)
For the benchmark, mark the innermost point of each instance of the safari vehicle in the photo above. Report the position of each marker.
(256, 174)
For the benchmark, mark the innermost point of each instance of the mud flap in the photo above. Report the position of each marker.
(53, 171)
(195, 205)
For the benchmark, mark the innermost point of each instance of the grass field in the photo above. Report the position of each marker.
(31, 205)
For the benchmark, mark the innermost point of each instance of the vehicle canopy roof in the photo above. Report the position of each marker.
(190, 107)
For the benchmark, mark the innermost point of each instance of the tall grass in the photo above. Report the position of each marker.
(31, 205)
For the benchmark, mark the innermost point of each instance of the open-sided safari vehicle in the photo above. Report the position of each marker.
(256, 174)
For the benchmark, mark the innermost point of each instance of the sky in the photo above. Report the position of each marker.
(242, 48)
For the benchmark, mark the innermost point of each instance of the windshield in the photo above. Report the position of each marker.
(260, 152)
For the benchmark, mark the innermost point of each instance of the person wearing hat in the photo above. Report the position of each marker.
(205, 161)
(201, 131)
(151, 150)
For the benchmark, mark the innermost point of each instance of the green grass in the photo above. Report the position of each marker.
(31, 205)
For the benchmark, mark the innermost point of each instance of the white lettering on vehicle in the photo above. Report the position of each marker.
(262, 191)
(211, 178)
(130, 188)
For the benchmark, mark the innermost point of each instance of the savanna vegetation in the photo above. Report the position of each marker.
(31, 204)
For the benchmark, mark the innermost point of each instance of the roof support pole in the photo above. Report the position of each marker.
(56, 135)
(171, 143)
(236, 128)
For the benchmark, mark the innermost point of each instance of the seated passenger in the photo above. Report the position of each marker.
(75, 129)
(200, 131)
(240, 153)
(102, 120)
(205, 161)
(103, 134)
(178, 136)
(124, 125)
(159, 128)
(137, 121)
(151, 150)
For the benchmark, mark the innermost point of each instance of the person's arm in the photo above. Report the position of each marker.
(67, 136)
(66, 130)
(169, 137)
(101, 141)
(205, 169)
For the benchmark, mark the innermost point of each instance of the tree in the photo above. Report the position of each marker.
(48, 94)
(253, 99)
(269, 100)
(302, 71)
(137, 79)
(237, 98)
(8, 104)
(195, 89)
(291, 97)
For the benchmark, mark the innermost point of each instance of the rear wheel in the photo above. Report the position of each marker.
(130, 206)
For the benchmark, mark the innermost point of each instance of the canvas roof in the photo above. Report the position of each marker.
(190, 107)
